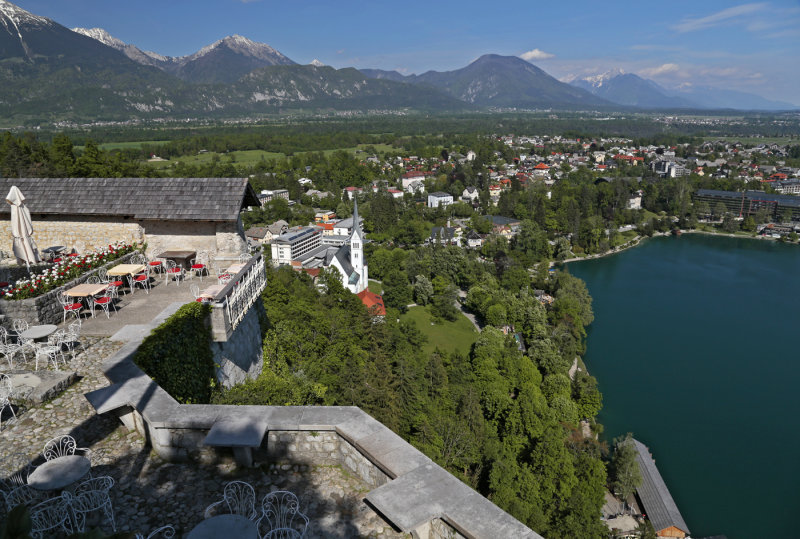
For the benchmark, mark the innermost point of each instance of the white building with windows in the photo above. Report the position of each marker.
(294, 244)
(439, 199)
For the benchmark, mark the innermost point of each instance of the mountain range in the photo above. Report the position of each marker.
(51, 73)
(634, 91)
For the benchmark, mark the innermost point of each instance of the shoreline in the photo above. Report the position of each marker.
(639, 239)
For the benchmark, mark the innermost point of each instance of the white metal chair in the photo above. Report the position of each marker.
(5, 396)
(62, 446)
(69, 306)
(57, 340)
(71, 337)
(23, 495)
(283, 533)
(15, 469)
(280, 510)
(168, 532)
(114, 284)
(198, 266)
(19, 325)
(94, 279)
(51, 515)
(141, 279)
(91, 496)
(7, 348)
(195, 290)
(156, 265)
(244, 258)
(106, 302)
(238, 497)
(173, 271)
(49, 352)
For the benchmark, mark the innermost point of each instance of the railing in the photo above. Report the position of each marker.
(233, 301)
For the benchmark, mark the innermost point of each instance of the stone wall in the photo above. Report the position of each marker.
(325, 448)
(241, 356)
(46, 309)
(10, 271)
(84, 233)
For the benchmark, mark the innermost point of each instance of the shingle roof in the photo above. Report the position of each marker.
(172, 199)
(654, 494)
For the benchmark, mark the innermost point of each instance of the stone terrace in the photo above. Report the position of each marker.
(150, 492)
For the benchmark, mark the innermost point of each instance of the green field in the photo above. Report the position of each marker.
(756, 140)
(375, 287)
(244, 158)
(447, 336)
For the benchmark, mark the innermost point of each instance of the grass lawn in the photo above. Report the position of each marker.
(448, 336)
(375, 287)
(241, 158)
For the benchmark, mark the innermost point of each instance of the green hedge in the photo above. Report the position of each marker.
(177, 355)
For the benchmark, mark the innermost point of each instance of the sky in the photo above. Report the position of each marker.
(750, 47)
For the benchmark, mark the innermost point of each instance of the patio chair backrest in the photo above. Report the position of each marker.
(50, 515)
(57, 338)
(168, 532)
(281, 509)
(283, 533)
(3, 335)
(102, 273)
(240, 498)
(15, 470)
(19, 325)
(60, 446)
(102, 483)
(195, 290)
(74, 328)
(64, 299)
(23, 495)
(94, 279)
(139, 258)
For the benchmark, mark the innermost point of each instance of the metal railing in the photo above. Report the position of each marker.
(233, 301)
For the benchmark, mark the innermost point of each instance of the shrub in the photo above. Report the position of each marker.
(177, 355)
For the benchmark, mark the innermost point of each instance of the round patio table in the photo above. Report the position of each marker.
(225, 526)
(39, 332)
(60, 472)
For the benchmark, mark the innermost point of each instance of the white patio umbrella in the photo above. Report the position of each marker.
(21, 228)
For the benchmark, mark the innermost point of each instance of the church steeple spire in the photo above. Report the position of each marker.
(356, 224)
(357, 242)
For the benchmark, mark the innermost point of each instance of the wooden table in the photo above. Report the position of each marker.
(185, 256)
(233, 269)
(212, 291)
(59, 473)
(126, 269)
(225, 526)
(86, 289)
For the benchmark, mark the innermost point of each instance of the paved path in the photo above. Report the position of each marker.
(150, 492)
(466, 312)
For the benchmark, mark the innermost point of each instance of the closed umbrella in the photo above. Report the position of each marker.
(21, 228)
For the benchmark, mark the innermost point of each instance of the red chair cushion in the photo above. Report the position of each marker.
(155, 263)
(73, 307)
(72, 255)
(174, 270)
(140, 278)
(198, 266)
(116, 283)
(102, 300)
(56, 260)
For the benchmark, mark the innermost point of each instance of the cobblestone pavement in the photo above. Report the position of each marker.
(150, 493)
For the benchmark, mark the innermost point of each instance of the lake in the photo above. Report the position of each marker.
(695, 349)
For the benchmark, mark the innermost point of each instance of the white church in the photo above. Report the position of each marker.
(349, 258)
(307, 249)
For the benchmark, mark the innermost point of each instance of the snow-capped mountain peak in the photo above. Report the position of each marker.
(317, 63)
(10, 13)
(240, 45)
(595, 81)
(102, 36)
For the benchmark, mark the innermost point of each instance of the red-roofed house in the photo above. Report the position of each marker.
(541, 170)
(373, 302)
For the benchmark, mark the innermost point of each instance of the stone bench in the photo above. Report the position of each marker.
(240, 434)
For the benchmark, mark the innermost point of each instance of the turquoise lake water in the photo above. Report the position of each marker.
(695, 348)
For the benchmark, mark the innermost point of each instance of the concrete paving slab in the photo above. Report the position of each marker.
(39, 386)
(236, 433)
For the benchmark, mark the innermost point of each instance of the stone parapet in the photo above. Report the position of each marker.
(410, 490)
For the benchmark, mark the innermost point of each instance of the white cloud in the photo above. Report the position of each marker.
(701, 23)
(663, 69)
(536, 54)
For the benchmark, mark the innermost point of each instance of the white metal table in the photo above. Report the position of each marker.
(225, 526)
(39, 332)
(60, 472)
